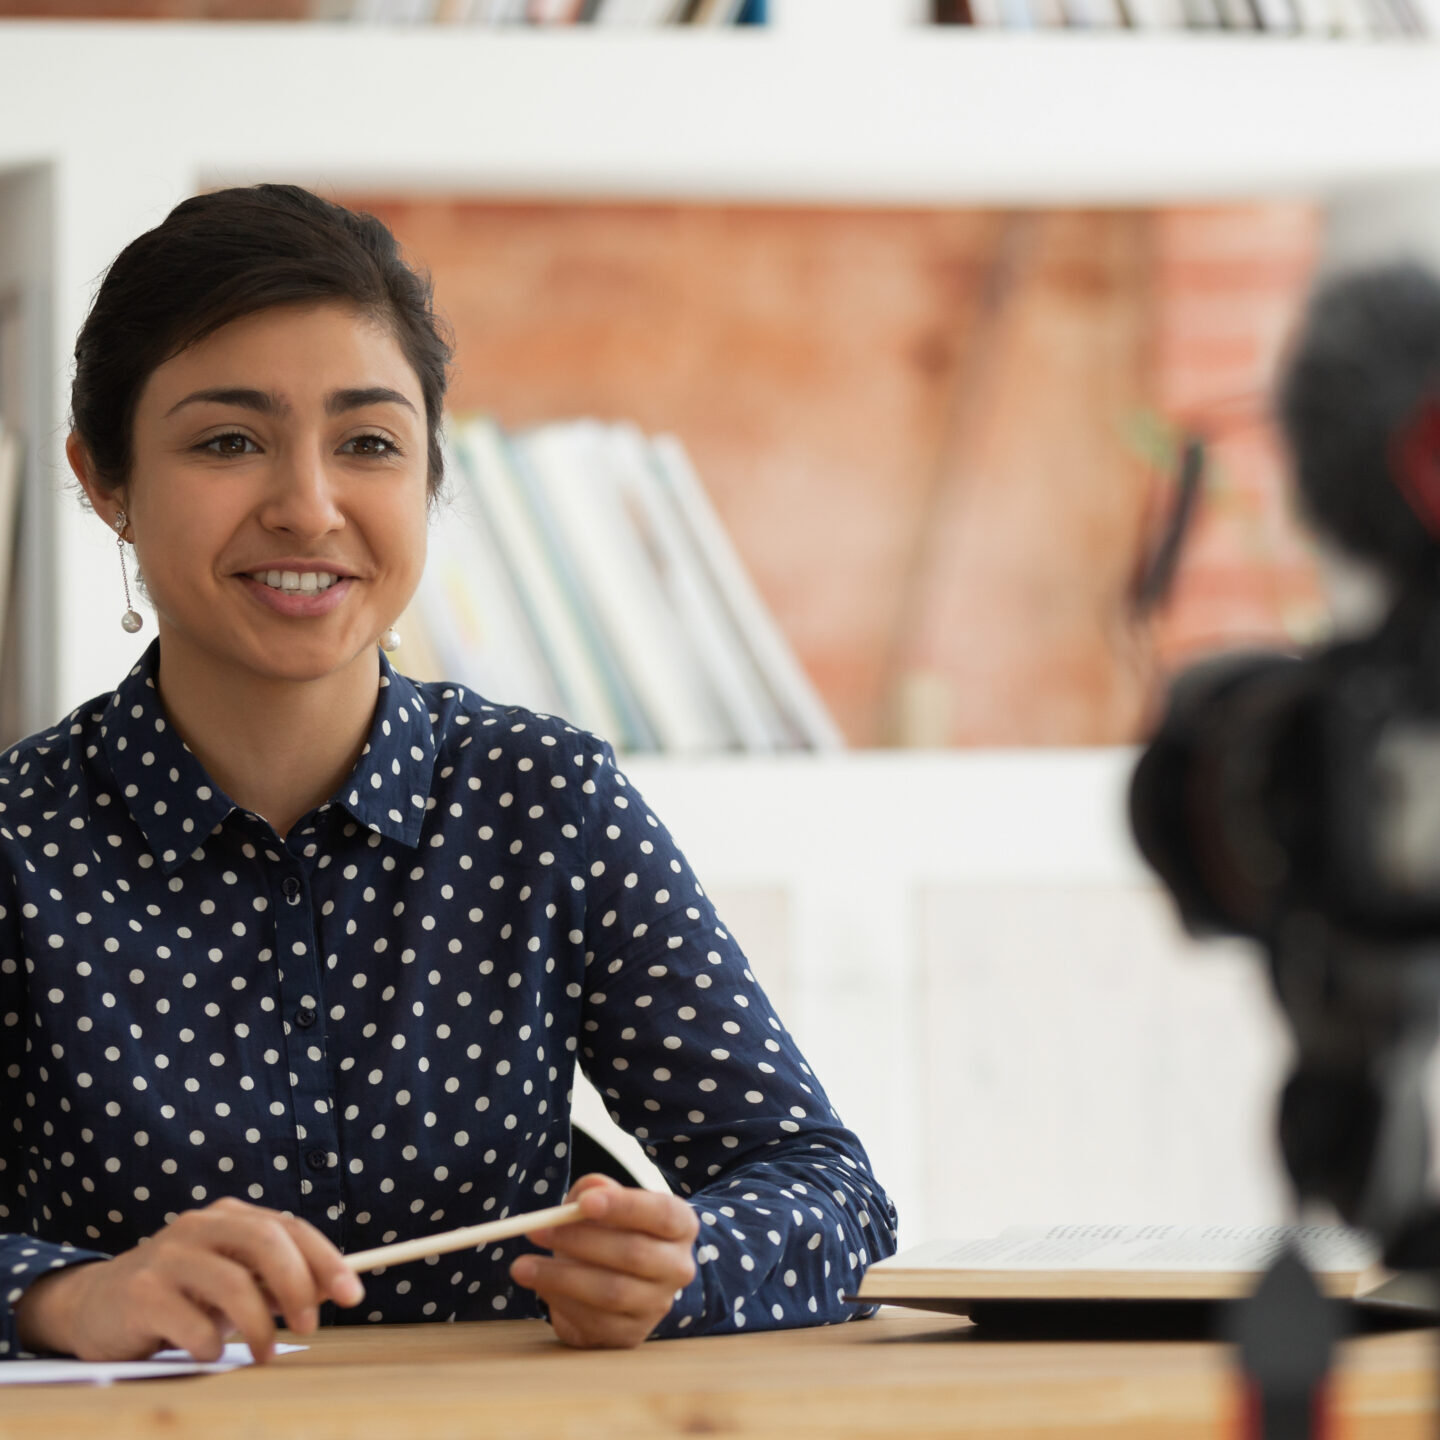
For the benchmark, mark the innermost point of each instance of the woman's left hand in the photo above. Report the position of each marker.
(612, 1277)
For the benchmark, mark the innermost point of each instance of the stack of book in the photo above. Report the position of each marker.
(1345, 18)
(615, 13)
(580, 570)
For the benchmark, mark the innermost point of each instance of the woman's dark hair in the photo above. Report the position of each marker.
(228, 254)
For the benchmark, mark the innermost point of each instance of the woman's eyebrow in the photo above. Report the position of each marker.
(266, 402)
(341, 400)
(262, 400)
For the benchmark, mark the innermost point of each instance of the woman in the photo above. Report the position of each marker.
(296, 955)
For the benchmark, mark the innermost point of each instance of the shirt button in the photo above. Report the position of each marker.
(318, 1160)
(305, 1017)
(291, 888)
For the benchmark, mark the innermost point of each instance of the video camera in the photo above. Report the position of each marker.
(1295, 799)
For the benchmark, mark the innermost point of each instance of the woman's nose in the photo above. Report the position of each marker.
(302, 498)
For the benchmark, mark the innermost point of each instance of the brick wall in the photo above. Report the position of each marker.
(918, 425)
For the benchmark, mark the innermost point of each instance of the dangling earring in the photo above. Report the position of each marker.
(131, 620)
(390, 640)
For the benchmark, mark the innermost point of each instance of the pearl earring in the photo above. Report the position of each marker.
(131, 620)
(390, 640)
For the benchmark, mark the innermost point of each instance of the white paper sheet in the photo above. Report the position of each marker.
(103, 1372)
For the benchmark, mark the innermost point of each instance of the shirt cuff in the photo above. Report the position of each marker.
(28, 1262)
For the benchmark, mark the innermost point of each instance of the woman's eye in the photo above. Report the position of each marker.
(371, 445)
(233, 443)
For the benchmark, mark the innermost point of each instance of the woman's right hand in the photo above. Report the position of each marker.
(230, 1266)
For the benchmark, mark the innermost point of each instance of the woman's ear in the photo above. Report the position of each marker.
(105, 503)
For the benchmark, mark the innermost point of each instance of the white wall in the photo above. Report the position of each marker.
(989, 984)
(1374, 224)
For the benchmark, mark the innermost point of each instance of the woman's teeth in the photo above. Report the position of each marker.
(309, 583)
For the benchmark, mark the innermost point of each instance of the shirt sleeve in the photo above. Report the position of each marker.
(23, 1258)
(683, 1044)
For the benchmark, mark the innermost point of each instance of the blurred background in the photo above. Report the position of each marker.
(928, 300)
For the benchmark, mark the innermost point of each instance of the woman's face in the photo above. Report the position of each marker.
(277, 498)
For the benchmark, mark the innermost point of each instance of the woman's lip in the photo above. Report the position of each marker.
(300, 567)
(298, 604)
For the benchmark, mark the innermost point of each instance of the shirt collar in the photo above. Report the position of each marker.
(389, 788)
(176, 804)
(165, 788)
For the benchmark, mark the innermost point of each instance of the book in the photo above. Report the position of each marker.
(1237, 15)
(1202, 14)
(1277, 16)
(553, 12)
(1147, 1263)
(1351, 18)
(738, 687)
(633, 12)
(1316, 17)
(497, 12)
(1103, 15)
(1379, 19)
(1048, 14)
(1408, 17)
(1155, 14)
(632, 727)
(584, 695)
(12, 466)
(717, 12)
(581, 477)
(790, 688)
(470, 608)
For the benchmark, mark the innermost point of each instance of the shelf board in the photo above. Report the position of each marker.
(994, 816)
(924, 116)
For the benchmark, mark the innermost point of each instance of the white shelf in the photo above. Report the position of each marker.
(124, 120)
(923, 115)
(1052, 816)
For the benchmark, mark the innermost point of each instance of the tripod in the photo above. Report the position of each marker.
(1353, 1133)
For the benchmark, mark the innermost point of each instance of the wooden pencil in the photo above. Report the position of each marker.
(463, 1239)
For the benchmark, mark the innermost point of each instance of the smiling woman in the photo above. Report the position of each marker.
(301, 471)
(298, 956)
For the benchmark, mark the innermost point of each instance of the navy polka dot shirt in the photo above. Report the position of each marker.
(373, 1022)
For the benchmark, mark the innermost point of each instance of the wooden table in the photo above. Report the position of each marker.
(900, 1374)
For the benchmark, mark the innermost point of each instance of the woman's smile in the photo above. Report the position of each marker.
(311, 594)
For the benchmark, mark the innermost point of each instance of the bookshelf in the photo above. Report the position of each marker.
(104, 127)
(856, 114)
